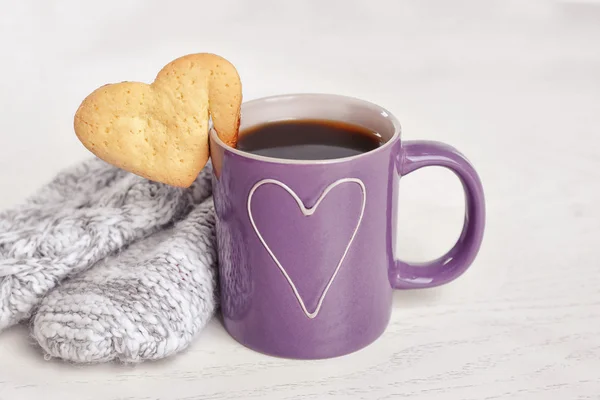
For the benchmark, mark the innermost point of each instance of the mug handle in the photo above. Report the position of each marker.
(418, 154)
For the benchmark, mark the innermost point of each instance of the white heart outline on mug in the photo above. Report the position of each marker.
(308, 212)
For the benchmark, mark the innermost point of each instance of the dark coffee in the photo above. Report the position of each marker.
(308, 140)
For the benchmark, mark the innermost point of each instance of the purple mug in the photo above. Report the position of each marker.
(306, 248)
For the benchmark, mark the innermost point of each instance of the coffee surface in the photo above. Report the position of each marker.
(308, 140)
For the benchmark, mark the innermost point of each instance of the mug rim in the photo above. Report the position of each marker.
(348, 99)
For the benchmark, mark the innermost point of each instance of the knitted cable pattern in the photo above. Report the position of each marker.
(145, 303)
(86, 214)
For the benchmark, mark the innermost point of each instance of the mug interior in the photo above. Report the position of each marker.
(315, 107)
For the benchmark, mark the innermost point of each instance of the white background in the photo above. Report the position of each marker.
(515, 85)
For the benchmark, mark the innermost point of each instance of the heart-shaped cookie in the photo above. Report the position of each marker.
(160, 131)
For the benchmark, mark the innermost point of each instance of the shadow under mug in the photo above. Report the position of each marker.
(306, 248)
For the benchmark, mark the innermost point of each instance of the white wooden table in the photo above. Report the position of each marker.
(516, 87)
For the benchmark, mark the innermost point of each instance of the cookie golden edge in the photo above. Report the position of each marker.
(86, 126)
(225, 91)
(226, 123)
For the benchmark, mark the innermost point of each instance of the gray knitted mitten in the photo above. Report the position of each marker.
(83, 215)
(145, 303)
